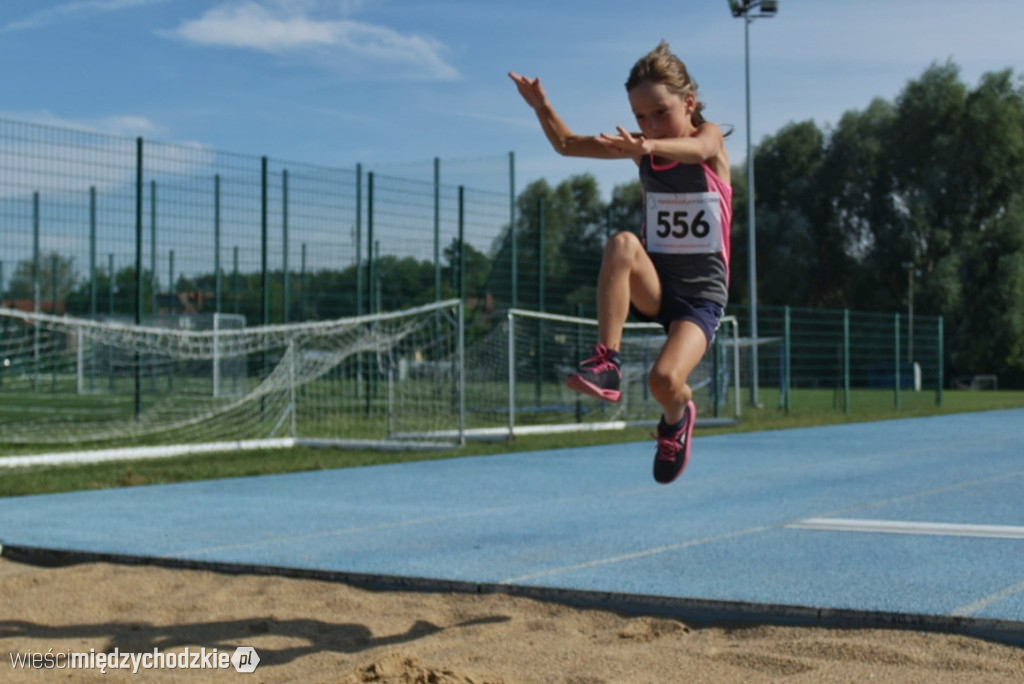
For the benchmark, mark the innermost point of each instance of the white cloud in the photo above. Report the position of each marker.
(71, 10)
(120, 125)
(130, 126)
(254, 26)
(286, 26)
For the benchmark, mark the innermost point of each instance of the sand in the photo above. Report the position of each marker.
(308, 630)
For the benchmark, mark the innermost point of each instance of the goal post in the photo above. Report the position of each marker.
(516, 377)
(89, 386)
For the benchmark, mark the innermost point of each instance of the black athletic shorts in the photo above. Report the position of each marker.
(703, 312)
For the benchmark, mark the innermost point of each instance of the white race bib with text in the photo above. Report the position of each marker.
(684, 223)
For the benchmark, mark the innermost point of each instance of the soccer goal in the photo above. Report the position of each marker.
(106, 389)
(515, 377)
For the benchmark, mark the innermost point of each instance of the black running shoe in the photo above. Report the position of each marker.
(674, 446)
(599, 375)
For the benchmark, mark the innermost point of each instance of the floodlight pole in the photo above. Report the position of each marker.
(742, 8)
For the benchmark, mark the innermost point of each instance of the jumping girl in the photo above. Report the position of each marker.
(677, 273)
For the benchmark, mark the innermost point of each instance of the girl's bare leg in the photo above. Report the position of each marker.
(683, 350)
(627, 274)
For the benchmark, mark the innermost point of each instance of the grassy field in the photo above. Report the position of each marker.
(809, 408)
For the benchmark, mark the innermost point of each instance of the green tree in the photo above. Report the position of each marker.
(584, 225)
(856, 181)
(573, 222)
(988, 332)
(927, 148)
(626, 209)
(477, 272)
(920, 197)
(56, 279)
(803, 257)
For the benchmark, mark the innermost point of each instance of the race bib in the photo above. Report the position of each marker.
(684, 223)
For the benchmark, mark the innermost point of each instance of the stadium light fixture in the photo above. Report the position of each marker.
(750, 10)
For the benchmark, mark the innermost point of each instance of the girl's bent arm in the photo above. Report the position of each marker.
(706, 144)
(558, 133)
(567, 143)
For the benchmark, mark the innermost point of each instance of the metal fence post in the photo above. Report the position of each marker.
(110, 286)
(786, 357)
(462, 243)
(93, 285)
(716, 369)
(579, 359)
(234, 277)
(437, 229)
(302, 285)
(896, 355)
(264, 278)
(511, 374)
(264, 226)
(217, 278)
(540, 300)
(110, 310)
(53, 311)
(153, 282)
(846, 361)
(514, 266)
(460, 352)
(36, 267)
(941, 363)
(359, 239)
(370, 266)
(286, 280)
(138, 269)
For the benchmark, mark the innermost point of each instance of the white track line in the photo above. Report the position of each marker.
(632, 556)
(983, 603)
(905, 527)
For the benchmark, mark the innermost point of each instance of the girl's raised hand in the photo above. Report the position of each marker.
(530, 89)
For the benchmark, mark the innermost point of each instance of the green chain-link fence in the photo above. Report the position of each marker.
(99, 225)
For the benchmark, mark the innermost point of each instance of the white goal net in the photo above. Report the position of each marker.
(75, 383)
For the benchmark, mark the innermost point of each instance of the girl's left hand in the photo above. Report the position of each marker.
(626, 143)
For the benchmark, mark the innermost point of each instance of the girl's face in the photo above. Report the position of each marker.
(660, 112)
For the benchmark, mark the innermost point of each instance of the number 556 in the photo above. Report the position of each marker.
(674, 223)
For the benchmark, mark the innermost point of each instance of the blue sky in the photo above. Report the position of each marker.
(392, 84)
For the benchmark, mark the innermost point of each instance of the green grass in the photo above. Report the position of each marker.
(809, 408)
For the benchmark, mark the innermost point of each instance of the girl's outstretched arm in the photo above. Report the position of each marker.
(557, 131)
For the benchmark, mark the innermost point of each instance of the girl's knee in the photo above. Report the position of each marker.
(622, 242)
(665, 385)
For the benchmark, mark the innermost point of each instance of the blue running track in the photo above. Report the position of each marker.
(910, 523)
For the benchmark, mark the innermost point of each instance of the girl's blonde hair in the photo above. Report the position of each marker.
(661, 66)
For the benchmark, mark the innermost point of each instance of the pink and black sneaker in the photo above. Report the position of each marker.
(599, 376)
(674, 446)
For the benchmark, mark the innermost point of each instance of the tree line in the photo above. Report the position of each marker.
(915, 204)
